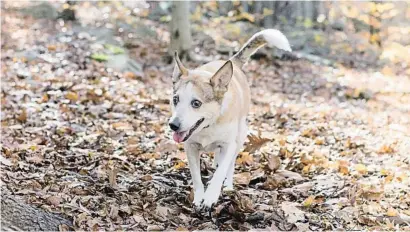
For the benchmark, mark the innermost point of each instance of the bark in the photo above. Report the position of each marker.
(18, 216)
(268, 21)
(181, 39)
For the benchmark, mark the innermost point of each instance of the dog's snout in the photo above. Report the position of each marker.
(174, 125)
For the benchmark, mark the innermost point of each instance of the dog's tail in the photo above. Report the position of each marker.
(272, 37)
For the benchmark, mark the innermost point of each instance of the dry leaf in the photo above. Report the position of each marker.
(122, 126)
(180, 165)
(274, 163)
(112, 176)
(243, 178)
(244, 158)
(361, 168)
(146, 178)
(255, 143)
(386, 149)
(309, 201)
(54, 200)
(391, 212)
(23, 116)
(73, 96)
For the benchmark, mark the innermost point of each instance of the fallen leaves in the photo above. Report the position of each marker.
(242, 178)
(73, 96)
(255, 143)
(361, 168)
(23, 116)
(274, 163)
(122, 126)
(245, 158)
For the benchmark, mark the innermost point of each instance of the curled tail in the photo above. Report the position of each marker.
(272, 37)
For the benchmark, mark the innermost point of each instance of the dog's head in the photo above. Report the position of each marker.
(197, 98)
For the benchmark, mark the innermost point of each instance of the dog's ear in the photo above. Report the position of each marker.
(221, 79)
(179, 69)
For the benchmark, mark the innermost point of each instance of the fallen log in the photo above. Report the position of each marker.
(19, 216)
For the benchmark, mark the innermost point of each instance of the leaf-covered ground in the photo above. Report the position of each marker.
(329, 146)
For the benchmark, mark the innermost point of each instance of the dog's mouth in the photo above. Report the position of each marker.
(182, 136)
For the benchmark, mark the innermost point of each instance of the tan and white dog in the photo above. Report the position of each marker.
(209, 109)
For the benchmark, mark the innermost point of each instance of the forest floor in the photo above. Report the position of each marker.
(330, 145)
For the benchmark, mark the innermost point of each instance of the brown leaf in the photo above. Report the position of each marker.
(146, 178)
(255, 143)
(245, 158)
(73, 96)
(54, 200)
(243, 178)
(122, 126)
(274, 163)
(23, 116)
(112, 176)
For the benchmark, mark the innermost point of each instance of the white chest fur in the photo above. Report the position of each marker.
(216, 134)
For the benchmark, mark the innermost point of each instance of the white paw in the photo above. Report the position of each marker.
(211, 196)
(198, 197)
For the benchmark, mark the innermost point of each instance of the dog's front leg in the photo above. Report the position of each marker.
(194, 162)
(215, 184)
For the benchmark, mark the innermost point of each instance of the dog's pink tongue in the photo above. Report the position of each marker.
(179, 136)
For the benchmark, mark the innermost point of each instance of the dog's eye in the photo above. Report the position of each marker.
(196, 103)
(175, 100)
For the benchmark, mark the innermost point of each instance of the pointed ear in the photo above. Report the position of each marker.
(221, 79)
(179, 69)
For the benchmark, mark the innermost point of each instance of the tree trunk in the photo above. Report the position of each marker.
(268, 21)
(181, 40)
(308, 10)
(17, 216)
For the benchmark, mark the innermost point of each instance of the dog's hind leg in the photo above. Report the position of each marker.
(194, 163)
(242, 131)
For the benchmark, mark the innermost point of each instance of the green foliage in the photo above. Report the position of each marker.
(99, 57)
(114, 49)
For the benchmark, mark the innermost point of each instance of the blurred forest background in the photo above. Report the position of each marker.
(85, 101)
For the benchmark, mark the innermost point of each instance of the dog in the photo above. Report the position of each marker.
(209, 109)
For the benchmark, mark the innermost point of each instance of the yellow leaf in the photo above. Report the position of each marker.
(386, 149)
(391, 212)
(52, 47)
(180, 165)
(306, 169)
(244, 158)
(73, 96)
(309, 201)
(361, 168)
(388, 179)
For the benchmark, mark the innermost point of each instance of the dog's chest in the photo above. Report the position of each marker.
(210, 137)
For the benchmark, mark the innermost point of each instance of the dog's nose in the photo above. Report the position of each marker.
(174, 125)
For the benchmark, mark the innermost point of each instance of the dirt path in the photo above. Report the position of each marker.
(92, 143)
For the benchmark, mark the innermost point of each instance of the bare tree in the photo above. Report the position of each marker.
(181, 39)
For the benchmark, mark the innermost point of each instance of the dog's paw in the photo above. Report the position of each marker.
(198, 198)
(210, 199)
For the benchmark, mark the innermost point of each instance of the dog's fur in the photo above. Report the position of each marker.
(219, 123)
